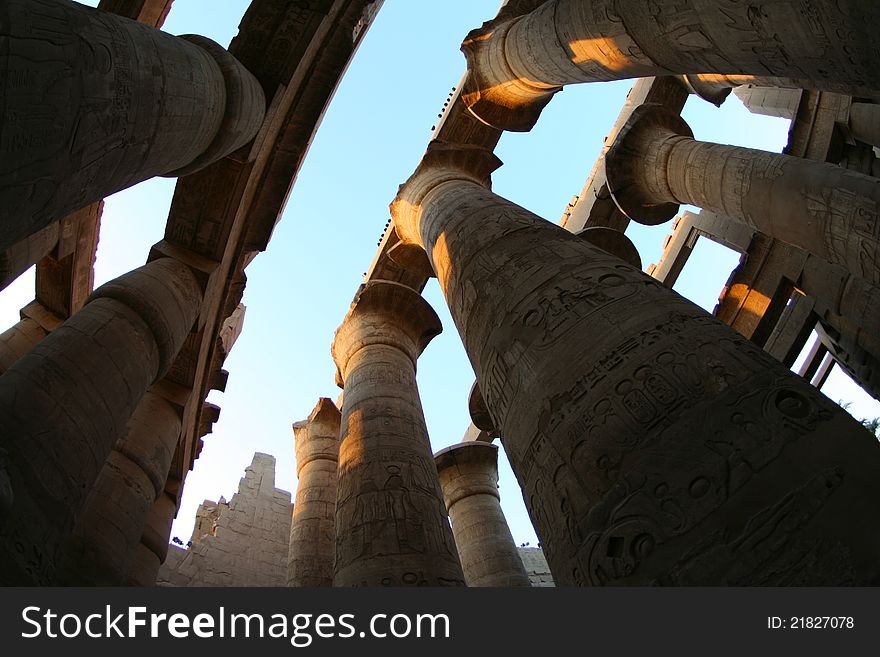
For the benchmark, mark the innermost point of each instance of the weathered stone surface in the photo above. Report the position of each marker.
(152, 551)
(517, 65)
(111, 102)
(469, 479)
(312, 547)
(662, 451)
(66, 402)
(536, 566)
(101, 548)
(239, 543)
(391, 525)
(822, 208)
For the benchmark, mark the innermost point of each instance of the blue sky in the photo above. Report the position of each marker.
(370, 141)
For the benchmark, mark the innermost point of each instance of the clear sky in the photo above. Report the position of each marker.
(371, 139)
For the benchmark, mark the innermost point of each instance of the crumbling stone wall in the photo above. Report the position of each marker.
(536, 566)
(239, 543)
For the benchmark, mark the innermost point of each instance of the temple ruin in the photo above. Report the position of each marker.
(653, 443)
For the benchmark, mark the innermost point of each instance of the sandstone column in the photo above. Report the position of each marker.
(109, 529)
(391, 524)
(95, 103)
(652, 442)
(822, 208)
(150, 553)
(65, 403)
(313, 523)
(516, 65)
(469, 479)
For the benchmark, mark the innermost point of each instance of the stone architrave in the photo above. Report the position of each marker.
(821, 208)
(652, 442)
(391, 524)
(515, 66)
(95, 103)
(82, 384)
(469, 480)
(313, 521)
(109, 529)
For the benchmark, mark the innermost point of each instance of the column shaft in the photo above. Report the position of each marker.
(66, 402)
(94, 103)
(652, 442)
(109, 529)
(391, 524)
(469, 479)
(525, 60)
(313, 523)
(150, 553)
(822, 208)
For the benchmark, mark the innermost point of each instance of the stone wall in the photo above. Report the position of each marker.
(536, 566)
(239, 543)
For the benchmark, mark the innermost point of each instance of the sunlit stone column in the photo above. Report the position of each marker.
(652, 442)
(313, 524)
(94, 103)
(391, 524)
(517, 65)
(109, 529)
(65, 403)
(655, 164)
(469, 480)
(150, 553)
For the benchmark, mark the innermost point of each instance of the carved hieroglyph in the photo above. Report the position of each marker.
(652, 442)
(469, 479)
(312, 546)
(65, 403)
(95, 103)
(391, 524)
(516, 65)
(822, 208)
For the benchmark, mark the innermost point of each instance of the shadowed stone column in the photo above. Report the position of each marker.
(313, 523)
(150, 553)
(36, 323)
(65, 403)
(864, 122)
(391, 525)
(109, 529)
(517, 65)
(822, 208)
(94, 103)
(469, 479)
(652, 442)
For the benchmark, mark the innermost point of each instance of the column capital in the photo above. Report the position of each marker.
(442, 162)
(625, 159)
(493, 92)
(467, 469)
(614, 242)
(385, 313)
(317, 437)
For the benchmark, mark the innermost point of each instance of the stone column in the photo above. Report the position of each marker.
(95, 103)
(36, 323)
(822, 208)
(864, 122)
(150, 553)
(652, 442)
(515, 66)
(469, 479)
(65, 404)
(391, 524)
(313, 523)
(109, 529)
